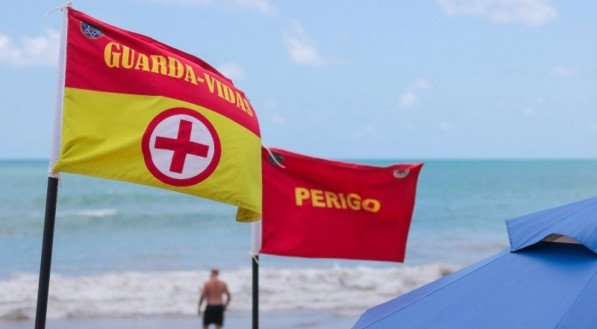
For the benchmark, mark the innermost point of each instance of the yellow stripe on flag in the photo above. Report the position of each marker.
(102, 136)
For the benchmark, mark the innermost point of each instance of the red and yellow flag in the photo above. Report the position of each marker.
(140, 111)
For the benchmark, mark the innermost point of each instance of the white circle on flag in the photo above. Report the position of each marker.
(181, 147)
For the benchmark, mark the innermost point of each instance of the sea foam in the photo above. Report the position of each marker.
(346, 291)
(94, 213)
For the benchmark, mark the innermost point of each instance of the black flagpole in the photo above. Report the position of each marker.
(46, 254)
(255, 261)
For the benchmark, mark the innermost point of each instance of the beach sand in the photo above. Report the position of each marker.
(268, 320)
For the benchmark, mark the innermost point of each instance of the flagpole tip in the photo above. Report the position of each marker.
(69, 4)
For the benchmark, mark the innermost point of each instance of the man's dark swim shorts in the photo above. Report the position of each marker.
(214, 314)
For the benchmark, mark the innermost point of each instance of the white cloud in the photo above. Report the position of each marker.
(26, 51)
(260, 6)
(315, 119)
(300, 48)
(410, 97)
(562, 71)
(529, 111)
(446, 127)
(526, 12)
(269, 111)
(500, 105)
(183, 2)
(270, 103)
(517, 106)
(421, 84)
(232, 71)
(277, 119)
(368, 132)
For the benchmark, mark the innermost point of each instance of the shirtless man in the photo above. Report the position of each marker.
(213, 291)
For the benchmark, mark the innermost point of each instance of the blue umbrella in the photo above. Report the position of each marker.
(548, 279)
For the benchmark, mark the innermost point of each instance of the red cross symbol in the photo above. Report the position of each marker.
(182, 146)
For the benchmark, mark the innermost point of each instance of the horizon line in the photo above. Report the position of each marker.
(415, 159)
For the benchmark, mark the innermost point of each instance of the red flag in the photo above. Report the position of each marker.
(328, 209)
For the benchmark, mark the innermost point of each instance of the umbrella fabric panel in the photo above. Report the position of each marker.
(530, 289)
(583, 314)
(392, 306)
(576, 220)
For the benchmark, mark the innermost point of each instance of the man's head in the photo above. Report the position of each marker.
(215, 272)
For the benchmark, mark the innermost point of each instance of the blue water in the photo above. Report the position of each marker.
(106, 226)
(462, 205)
(135, 256)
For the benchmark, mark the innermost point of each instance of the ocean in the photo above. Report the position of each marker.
(128, 256)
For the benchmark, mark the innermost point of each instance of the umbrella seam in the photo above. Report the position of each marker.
(545, 229)
(435, 291)
(575, 301)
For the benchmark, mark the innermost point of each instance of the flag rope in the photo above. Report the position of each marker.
(273, 157)
(255, 258)
(61, 8)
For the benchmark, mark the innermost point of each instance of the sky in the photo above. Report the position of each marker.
(436, 79)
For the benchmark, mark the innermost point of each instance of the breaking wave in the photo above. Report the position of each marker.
(94, 213)
(345, 291)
